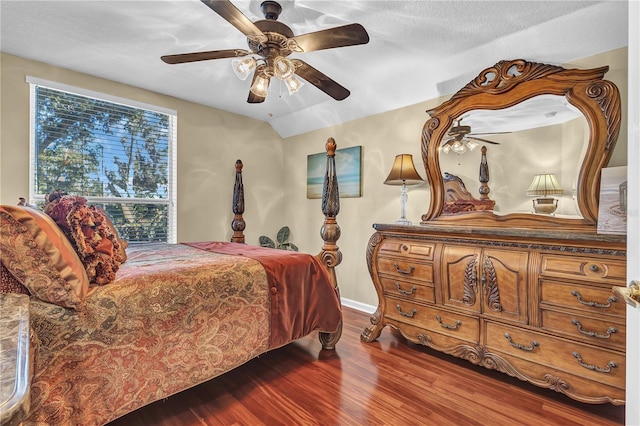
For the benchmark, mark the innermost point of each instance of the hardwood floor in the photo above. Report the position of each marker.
(388, 382)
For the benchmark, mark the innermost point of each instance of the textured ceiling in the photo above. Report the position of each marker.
(418, 50)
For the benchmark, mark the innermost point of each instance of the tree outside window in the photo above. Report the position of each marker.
(112, 154)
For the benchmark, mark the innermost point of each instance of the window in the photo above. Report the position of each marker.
(116, 153)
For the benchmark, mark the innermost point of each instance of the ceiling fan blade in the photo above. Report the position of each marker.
(253, 98)
(489, 133)
(483, 140)
(347, 35)
(232, 14)
(203, 56)
(321, 81)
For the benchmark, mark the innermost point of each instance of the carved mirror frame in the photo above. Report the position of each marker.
(506, 84)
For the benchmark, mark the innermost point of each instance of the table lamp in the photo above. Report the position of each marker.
(403, 173)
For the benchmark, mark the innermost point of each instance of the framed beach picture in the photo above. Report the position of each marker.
(612, 210)
(348, 169)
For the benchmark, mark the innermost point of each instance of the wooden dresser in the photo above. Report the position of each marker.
(534, 305)
(490, 281)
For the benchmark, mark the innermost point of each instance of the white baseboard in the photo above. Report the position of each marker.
(363, 307)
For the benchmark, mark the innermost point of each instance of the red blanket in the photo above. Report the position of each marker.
(302, 296)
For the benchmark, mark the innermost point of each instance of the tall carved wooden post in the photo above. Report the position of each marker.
(484, 175)
(330, 231)
(238, 223)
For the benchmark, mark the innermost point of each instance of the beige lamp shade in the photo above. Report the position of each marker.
(544, 184)
(403, 172)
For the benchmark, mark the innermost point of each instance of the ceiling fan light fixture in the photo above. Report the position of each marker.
(293, 84)
(470, 144)
(458, 147)
(260, 86)
(283, 68)
(242, 67)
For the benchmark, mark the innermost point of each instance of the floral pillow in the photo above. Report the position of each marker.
(39, 256)
(88, 228)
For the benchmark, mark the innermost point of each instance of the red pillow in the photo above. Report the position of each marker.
(87, 228)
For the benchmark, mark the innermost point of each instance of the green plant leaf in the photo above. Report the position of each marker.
(283, 235)
(293, 247)
(266, 242)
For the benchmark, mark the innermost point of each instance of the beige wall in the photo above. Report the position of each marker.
(383, 137)
(209, 143)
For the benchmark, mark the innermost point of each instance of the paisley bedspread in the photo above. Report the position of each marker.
(175, 316)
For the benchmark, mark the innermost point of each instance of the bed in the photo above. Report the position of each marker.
(177, 315)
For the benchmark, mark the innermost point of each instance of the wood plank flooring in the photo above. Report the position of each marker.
(387, 382)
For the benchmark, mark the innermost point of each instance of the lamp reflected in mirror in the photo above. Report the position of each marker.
(403, 173)
(545, 184)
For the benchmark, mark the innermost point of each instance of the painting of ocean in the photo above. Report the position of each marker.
(348, 169)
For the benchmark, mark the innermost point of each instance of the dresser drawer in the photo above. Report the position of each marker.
(598, 331)
(611, 271)
(594, 363)
(409, 289)
(591, 299)
(405, 268)
(423, 251)
(452, 324)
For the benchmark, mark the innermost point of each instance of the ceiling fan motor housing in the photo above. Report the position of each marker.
(271, 9)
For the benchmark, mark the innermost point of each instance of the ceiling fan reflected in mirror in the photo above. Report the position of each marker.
(460, 139)
(270, 43)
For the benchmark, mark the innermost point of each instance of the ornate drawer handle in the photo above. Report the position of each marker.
(404, 271)
(594, 268)
(607, 369)
(607, 335)
(529, 348)
(406, 314)
(448, 326)
(407, 292)
(610, 300)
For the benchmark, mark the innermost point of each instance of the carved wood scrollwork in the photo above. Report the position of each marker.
(490, 285)
(481, 356)
(470, 282)
(504, 85)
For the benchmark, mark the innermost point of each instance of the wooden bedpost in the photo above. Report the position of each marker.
(238, 223)
(330, 232)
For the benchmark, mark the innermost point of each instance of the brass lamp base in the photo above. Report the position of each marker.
(546, 205)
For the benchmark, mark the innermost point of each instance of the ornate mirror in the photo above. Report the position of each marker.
(529, 140)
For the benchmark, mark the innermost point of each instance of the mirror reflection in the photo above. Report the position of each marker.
(532, 160)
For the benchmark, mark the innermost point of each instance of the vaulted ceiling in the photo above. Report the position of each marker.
(418, 50)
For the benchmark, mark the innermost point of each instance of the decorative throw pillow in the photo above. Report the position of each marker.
(122, 244)
(9, 283)
(38, 255)
(86, 227)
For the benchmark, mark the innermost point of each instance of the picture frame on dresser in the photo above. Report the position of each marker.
(612, 214)
(527, 294)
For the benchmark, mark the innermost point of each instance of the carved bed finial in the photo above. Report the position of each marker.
(330, 231)
(238, 223)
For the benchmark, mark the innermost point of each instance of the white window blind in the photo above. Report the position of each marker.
(116, 153)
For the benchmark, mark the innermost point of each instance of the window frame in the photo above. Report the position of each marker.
(170, 200)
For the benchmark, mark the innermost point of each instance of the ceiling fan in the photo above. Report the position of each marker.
(272, 42)
(460, 139)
